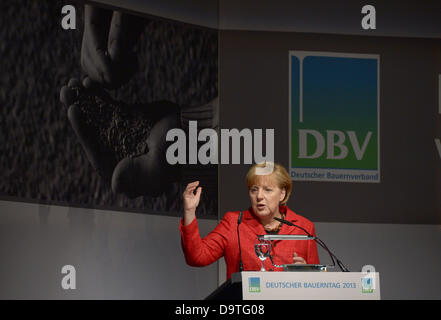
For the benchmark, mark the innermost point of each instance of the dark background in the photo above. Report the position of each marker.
(254, 93)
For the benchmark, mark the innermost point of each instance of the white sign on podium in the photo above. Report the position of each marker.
(310, 286)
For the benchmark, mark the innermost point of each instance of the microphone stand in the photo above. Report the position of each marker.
(320, 242)
(239, 220)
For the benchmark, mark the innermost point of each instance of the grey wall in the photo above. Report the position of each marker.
(254, 92)
(133, 256)
(116, 255)
(407, 256)
(408, 18)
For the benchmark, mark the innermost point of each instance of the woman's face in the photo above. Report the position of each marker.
(265, 196)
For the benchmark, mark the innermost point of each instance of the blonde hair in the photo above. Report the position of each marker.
(282, 177)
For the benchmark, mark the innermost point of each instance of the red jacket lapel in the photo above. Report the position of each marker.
(253, 222)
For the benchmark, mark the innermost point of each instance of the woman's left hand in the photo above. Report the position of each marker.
(298, 260)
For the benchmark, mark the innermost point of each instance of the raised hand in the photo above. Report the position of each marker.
(191, 201)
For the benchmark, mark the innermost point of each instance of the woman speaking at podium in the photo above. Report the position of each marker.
(268, 196)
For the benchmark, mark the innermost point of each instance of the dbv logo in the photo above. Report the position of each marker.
(254, 284)
(334, 116)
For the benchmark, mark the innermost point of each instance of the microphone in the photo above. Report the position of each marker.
(289, 223)
(320, 242)
(239, 220)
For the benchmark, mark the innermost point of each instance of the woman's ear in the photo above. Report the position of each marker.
(282, 195)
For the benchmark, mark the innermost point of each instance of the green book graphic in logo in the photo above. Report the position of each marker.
(334, 116)
(254, 284)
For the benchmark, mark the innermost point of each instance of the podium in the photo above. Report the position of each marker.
(251, 285)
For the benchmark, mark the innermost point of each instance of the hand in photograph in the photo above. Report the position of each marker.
(125, 143)
(107, 54)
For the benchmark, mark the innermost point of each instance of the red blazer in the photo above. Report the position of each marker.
(222, 241)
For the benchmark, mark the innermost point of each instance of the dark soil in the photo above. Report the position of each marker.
(120, 128)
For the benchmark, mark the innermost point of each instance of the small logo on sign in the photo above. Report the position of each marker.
(368, 279)
(254, 284)
(367, 285)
